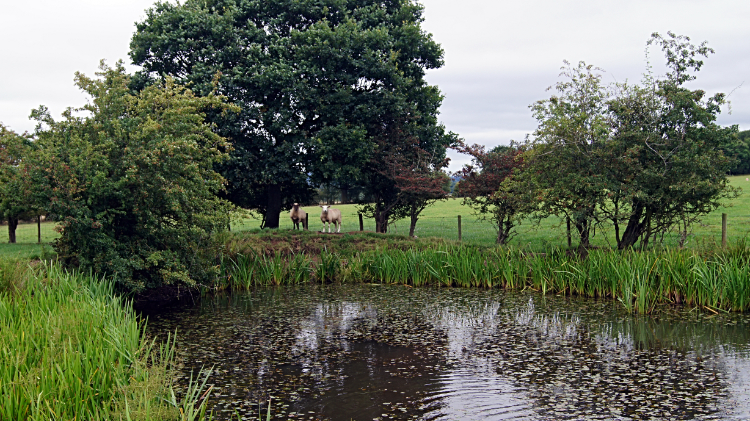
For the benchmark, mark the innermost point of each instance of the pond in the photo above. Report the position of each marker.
(374, 352)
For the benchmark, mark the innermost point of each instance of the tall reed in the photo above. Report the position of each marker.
(71, 349)
(639, 280)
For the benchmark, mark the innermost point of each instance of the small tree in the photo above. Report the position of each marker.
(667, 164)
(133, 182)
(569, 149)
(420, 186)
(403, 176)
(490, 186)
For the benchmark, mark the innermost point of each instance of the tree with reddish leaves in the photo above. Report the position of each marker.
(405, 173)
(490, 186)
(420, 185)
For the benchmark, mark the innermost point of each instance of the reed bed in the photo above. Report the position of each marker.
(718, 281)
(70, 348)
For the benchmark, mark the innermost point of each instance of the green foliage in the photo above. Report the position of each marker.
(316, 82)
(71, 349)
(645, 158)
(567, 158)
(133, 184)
(489, 187)
(17, 190)
(739, 149)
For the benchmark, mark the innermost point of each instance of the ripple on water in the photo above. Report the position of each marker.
(381, 353)
(473, 395)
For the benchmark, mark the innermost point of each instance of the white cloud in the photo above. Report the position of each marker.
(500, 56)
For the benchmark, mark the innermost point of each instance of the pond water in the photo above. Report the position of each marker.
(372, 352)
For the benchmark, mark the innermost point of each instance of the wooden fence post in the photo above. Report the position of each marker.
(723, 229)
(39, 228)
(459, 227)
(361, 223)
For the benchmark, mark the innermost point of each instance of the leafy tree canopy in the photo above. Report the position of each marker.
(316, 82)
(16, 192)
(133, 183)
(646, 157)
(488, 185)
(739, 149)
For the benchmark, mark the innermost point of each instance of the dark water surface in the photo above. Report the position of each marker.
(371, 352)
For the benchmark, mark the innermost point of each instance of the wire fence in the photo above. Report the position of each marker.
(550, 232)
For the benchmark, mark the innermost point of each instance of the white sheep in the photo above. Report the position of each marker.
(329, 215)
(298, 215)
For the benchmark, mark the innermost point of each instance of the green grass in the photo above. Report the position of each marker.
(71, 349)
(441, 220)
(718, 281)
(26, 246)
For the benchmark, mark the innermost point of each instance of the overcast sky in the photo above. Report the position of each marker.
(500, 56)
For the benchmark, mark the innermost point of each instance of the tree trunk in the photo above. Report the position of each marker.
(502, 236)
(634, 230)
(584, 229)
(503, 231)
(274, 206)
(413, 224)
(12, 225)
(381, 220)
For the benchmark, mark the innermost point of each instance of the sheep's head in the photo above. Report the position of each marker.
(295, 206)
(325, 208)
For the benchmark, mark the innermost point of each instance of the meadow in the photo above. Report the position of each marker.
(441, 220)
(26, 246)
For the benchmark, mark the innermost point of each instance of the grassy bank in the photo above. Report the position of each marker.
(71, 349)
(716, 280)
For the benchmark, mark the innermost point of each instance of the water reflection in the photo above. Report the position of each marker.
(377, 352)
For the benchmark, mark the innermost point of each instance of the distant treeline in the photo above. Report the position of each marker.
(740, 149)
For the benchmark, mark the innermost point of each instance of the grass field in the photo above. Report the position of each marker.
(440, 220)
(26, 246)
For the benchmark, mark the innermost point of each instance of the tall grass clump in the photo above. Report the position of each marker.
(255, 269)
(13, 276)
(71, 349)
(716, 279)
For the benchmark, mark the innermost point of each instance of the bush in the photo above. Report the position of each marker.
(133, 183)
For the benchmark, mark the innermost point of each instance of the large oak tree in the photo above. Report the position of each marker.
(315, 81)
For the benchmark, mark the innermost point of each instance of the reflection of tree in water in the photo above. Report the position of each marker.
(575, 371)
(356, 352)
(307, 351)
(695, 331)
